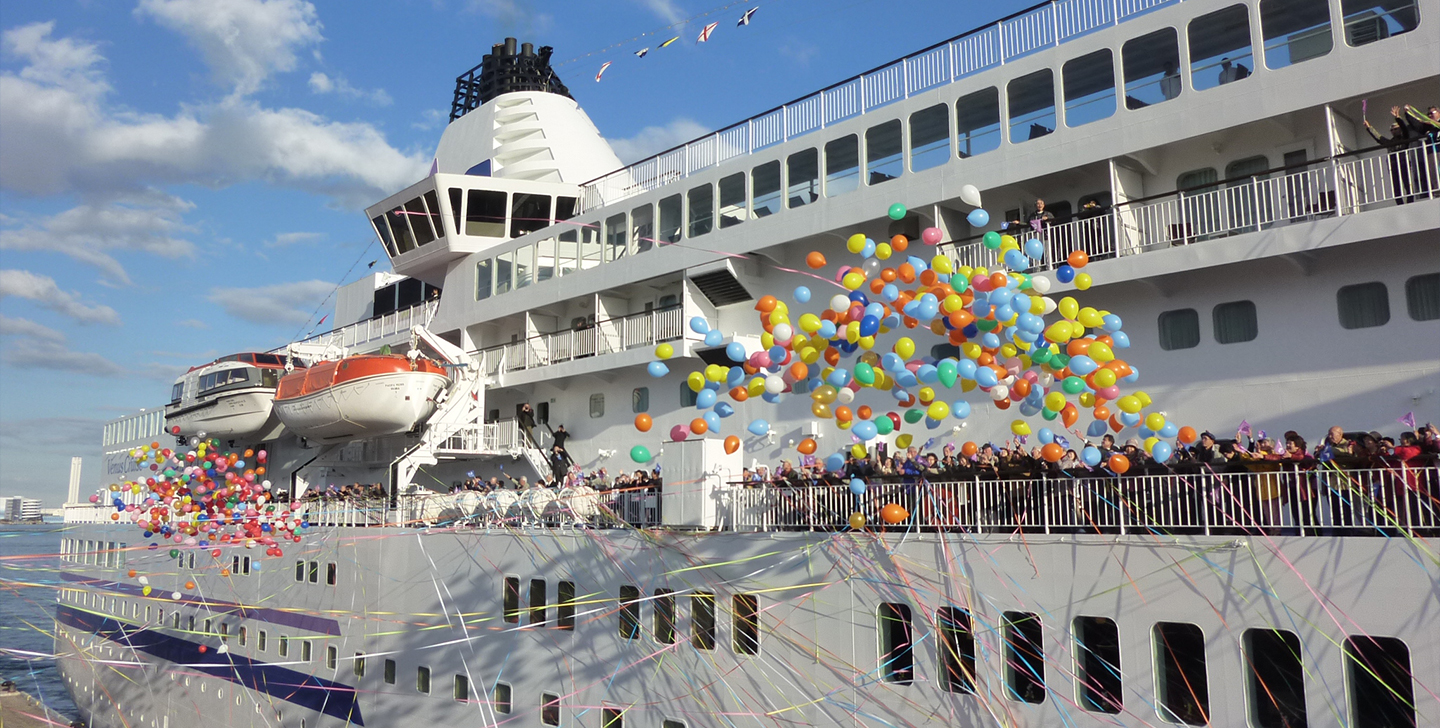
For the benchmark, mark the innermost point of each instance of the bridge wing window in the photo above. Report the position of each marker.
(977, 121)
(642, 227)
(702, 210)
(1294, 31)
(803, 170)
(529, 213)
(765, 189)
(670, 219)
(1032, 106)
(929, 137)
(1220, 50)
(842, 165)
(1152, 69)
(884, 152)
(400, 225)
(419, 221)
(485, 213)
(733, 208)
(1089, 87)
(382, 229)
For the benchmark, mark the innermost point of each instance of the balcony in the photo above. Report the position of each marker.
(388, 329)
(610, 336)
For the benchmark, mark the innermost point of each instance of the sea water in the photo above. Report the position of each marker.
(29, 573)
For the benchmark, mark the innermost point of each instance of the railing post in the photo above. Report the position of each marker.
(1000, 41)
(822, 109)
(905, 75)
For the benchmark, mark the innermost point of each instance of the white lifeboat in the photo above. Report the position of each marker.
(230, 398)
(360, 397)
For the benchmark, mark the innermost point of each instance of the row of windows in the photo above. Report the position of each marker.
(481, 213)
(1220, 48)
(142, 426)
(105, 554)
(310, 571)
(1378, 668)
(1359, 306)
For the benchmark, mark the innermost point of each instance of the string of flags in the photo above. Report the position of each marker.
(705, 35)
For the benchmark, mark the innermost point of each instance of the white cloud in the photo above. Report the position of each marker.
(665, 10)
(321, 83)
(44, 291)
(33, 346)
(90, 232)
(243, 41)
(287, 239)
(515, 17)
(653, 139)
(61, 137)
(431, 119)
(279, 303)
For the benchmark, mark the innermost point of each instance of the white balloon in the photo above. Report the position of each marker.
(1041, 284)
(970, 195)
(1046, 379)
(774, 384)
(999, 392)
(783, 333)
(1049, 305)
(845, 395)
(871, 266)
(839, 303)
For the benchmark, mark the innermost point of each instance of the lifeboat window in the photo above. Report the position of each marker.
(176, 392)
(884, 152)
(524, 266)
(665, 616)
(1179, 329)
(358, 666)
(1024, 657)
(842, 165)
(733, 208)
(640, 400)
(1276, 678)
(1382, 691)
(528, 213)
(1363, 305)
(747, 623)
(565, 605)
(1235, 322)
(1089, 83)
(612, 717)
(702, 210)
(897, 643)
(549, 709)
(564, 208)
(702, 620)
(537, 601)
(1182, 692)
(1422, 297)
(642, 227)
(545, 260)
(803, 170)
(1032, 106)
(504, 268)
(461, 691)
(1294, 31)
(501, 698)
(957, 650)
(510, 598)
(597, 405)
(629, 613)
(566, 252)
(929, 137)
(765, 189)
(389, 672)
(484, 279)
(485, 214)
(419, 221)
(1097, 664)
(977, 122)
(422, 680)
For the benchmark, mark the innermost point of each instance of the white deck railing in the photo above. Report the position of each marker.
(374, 329)
(605, 337)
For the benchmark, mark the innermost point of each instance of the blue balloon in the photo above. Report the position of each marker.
(1096, 428)
(705, 399)
(657, 369)
(986, 377)
(978, 217)
(892, 362)
(834, 461)
(1015, 260)
(771, 398)
(777, 354)
(889, 293)
(1091, 454)
(927, 373)
(1082, 365)
(724, 409)
(1129, 419)
(1020, 302)
(960, 410)
(931, 424)
(857, 486)
(1046, 436)
(827, 328)
(802, 294)
(869, 250)
(869, 326)
(990, 340)
(966, 368)
(1112, 322)
(1170, 430)
(1161, 451)
(713, 420)
(1121, 339)
(736, 351)
(1065, 273)
(713, 337)
(735, 377)
(859, 298)
(1133, 376)
(838, 378)
(1034, 249)
(698, 325)
(864, 429)
(906, 378)
(919, 264)
(758, 427)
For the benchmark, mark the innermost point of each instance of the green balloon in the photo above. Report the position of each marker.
(1073, 385)
(947, 371)
(914, 415)
(1040, 355)
(958, 283)
(1059, 361)
(986, 324)
(991, 240)
(640, 454)
(897, 211)
(884, 426)
(864, 373)
(1048, 414)
(174, 553)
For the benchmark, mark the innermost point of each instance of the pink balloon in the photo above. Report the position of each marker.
(679, 432)
(1110, 392)
(840, 274)
(931, 236)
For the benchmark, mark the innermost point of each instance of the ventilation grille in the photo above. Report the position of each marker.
(721, 287)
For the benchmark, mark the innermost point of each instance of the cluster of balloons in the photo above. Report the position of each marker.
(206, 497)
(1046, 358)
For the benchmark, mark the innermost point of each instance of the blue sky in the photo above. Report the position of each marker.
(182, 179)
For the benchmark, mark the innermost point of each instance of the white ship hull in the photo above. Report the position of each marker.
(384, 404)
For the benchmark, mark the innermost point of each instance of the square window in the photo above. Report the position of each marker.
(597, 405)
(1422, 297)
(640, 400)
(1363, 305)
(1179, 329)
(1235, 322)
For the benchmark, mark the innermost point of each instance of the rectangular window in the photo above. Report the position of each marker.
(422, 680)
(1089, 88)
(1382, 692)
(1179, 329)
(702, 210)
(803, 170)
(524, 266)
(330, 574)
(382, 230)
(545, 260)
(400, 225)
(485, 214)
(672, 723)
(733, 209)
(842, 165)
(612, 717)
(929, 137)
(688, 396)
(565, 605)
(207, 622)
(549, 709)
(629, 613)
(665, 616)
(504, 272)
(1275, 678)
(1152, 68)
(747, 623)
(1363, 305)
(1422, 297)
(670, 219)
(510, 599)
(305, 653)
(419, 221)
(300, 571)
(702, 621)
(1220, 51)
(537, 601)
(897, 643)
(977, 122)
(190, 623)
(765, 189)
(457, 201)
(501, 698)
(616, 237)
(358, 666)
(224, 630)
(529, 212)
(1024, 657)
(461, 691)
(597, 405)
(1182, 693)
(284, 646)
(484, 279)
(640, 400)
(590, 246)
(389, 672)
(260, 640)
(1097, 665)
(642, 228)
(565, 208)
(1235, 322)
(1367, 21)
(242, 637)
(884, 152)
(567, 252)
(332, 656)
(314, 572)
(1294, 31)
(1032, 106)
(957, 650)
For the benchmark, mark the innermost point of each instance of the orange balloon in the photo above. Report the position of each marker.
(1102, 412)
(1078, 259)
(1119, 463)
(900, 243)
(1069, 414)
(806, 446)
(998, 280)
(739, 394)
(1052, 453)
(927, 277)
(1187, 434)
(799, 371)
(1115, 424)
(907, 273)
(189, 585)
(864, 412)
(131, 573)
(643, 422)
(732, 443)
(766, 304)
(894, 513)
(1021, 388)
(969, 449)
(843, 414)
(1003, 404)
(1077, 347)
(888, 275)
(877, 286)
(815, 259)
(699, 426)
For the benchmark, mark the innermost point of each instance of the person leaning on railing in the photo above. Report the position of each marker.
(1399, 140)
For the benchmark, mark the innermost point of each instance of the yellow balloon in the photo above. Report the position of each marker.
(664, 351)
(866, 342)
(824, 394)
(1105, 378)
(971, 350)
(821, 410)
(1091, 318)
(1143, 397)
(927, 395)
(904, 441)
(952, 303)
(856, 243)
(1101, 353)
(1150, 443)
(767, 340)
(858, 451)
(968, 385)
(883, 251)
(1020, 427)
(937, 410)
(812, 355)
(1129, 404)
(1008, 350)
(696, 380)
(857, 520)
(905, 347)
(1059, 332)
(853, 280)
(852, 332)
(942, 265)
(1054, 401)
(809, 323)
(1087, 399)
(1083, 281)
(1155, 421)
(1069, 308)
(756, 387)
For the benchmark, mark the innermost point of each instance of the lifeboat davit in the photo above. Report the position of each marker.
(230, 398)
(359, 397)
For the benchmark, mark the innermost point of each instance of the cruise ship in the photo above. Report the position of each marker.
(1273, 266)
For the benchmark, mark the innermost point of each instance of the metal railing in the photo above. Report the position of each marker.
(1039, 27)
(374, 329)
(1343, 185)
(491, 437)
(604, 337)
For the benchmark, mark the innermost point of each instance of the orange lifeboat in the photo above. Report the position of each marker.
(360, 397)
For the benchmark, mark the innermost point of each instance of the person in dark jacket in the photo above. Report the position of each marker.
(526, 419)
(1400, 165)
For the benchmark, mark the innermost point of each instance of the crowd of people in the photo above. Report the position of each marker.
(1410, 176)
